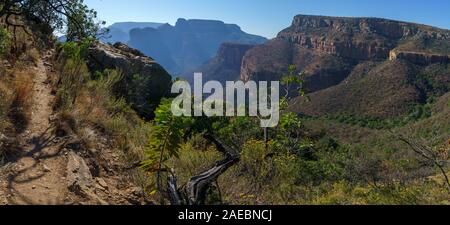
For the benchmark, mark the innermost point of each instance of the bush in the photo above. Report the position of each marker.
(256, 163)
(6, 97)
(5, 40)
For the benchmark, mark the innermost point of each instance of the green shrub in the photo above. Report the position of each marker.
(5, 40)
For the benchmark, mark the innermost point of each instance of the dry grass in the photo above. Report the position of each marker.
(6, 96)
(94, 112)
(20, 113)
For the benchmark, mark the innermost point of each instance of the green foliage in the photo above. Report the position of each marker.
(293, 86)
(236, 131)
(433, 80)
(167, 136)
(297, 166)
(344, 193)
(256, 163)
(417, 113)
(5, 40)
(76, 50)
(71, 17)
(82, 22)
(73, 72)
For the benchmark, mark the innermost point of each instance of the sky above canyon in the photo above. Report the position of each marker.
(268, 17)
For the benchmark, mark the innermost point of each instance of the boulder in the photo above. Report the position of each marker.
(79, 178)
(145, 82)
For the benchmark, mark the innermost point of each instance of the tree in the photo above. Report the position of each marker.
(71, 17)
(169, 133)
(293, 87)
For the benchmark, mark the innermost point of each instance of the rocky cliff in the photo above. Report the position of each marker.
(225, 66)
(335, 51)
(419, 58)
(145, 81)
(120, 32)
(189, 44)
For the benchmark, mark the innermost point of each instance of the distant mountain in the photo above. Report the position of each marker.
(189, 44)
(368, 67)
(120, 32)
(225, 66)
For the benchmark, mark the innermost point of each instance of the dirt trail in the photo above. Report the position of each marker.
(38, 176)
(60, 170)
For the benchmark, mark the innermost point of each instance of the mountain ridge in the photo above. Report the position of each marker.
(189, 43)
(330, 49)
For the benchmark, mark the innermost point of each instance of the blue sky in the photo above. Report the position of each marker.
(268, 17)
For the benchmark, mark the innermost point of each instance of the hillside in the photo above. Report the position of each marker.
(363, 66)
(85, 122)
(66, 118)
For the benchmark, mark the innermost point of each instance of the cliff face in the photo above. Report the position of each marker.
(231, 54)
(418, 57)
(352, 39)
(120, 32)
(335, 52)
(188, 44)
(225, 66)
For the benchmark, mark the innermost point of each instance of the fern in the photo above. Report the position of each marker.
(167, 137)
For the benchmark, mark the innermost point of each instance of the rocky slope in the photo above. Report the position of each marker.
(361, 66)
(188, 44)
(145, 81)
(53, 166)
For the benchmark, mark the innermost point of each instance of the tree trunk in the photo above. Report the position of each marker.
(195, 192)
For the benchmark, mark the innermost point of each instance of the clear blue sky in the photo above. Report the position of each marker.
(268, 17)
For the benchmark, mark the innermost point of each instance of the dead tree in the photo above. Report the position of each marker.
(196, 190)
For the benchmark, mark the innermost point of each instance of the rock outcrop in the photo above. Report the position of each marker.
(145, 82)
(419, 58)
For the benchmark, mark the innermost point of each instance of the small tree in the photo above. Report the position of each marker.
(71, 17)
(293, 84)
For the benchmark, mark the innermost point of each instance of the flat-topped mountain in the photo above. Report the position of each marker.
(188, 44)
(120, 32)
(356, 65)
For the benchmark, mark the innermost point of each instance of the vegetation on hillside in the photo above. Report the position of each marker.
(338, 159)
